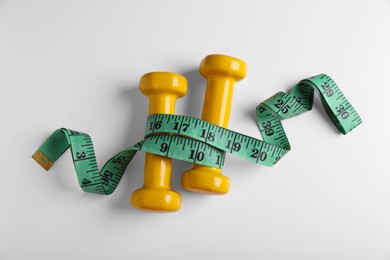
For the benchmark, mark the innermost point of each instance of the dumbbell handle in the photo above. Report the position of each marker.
(158, 168)
(216, 106)
(161, 104)
(218, 100)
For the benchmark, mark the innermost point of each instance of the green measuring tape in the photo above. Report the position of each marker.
(193, 140)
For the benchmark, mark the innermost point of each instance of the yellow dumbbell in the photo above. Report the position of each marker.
(221, 72)
(162, 88)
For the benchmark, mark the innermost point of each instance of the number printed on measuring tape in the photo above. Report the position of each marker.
(197, 141)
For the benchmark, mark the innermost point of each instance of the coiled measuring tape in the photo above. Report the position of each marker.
(193, 140)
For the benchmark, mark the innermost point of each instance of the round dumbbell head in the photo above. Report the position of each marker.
(222, 65)
(163, 83)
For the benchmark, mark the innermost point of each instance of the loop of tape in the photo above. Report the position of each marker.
(193, 140)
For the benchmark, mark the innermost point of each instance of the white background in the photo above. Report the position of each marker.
(77, 64)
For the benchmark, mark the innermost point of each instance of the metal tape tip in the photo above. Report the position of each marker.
(42, 160)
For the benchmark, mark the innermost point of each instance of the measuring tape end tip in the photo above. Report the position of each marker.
(42, 160)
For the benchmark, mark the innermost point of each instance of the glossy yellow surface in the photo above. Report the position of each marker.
(221, 72)
(162, 88)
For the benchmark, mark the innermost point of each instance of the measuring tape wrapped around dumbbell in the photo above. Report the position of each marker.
(194, 140)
